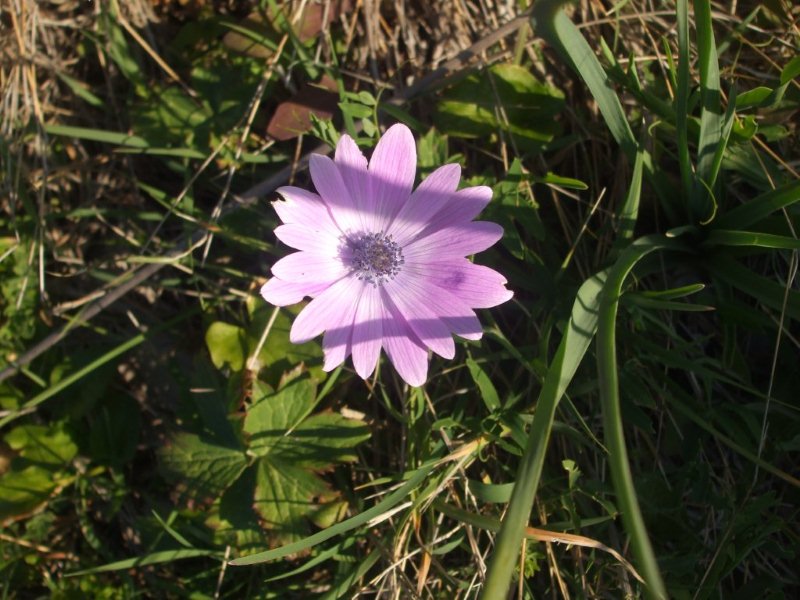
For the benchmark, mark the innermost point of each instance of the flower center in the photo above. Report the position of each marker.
(376, 257)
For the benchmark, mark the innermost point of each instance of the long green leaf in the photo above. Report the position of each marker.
(760, 207)
(551, 23)
(98, 135)
(711, 120)
(577, 337)
(726, 237)
(149, 559)
(682, 98)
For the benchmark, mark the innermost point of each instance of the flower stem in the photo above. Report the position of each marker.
(612, 417)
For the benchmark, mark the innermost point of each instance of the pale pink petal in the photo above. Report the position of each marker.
(352, 165)
(456, 241)
(456, 314)
(392, 170)
(301, 237)
(408, 355)
(476, 285)
(328, 181)
(367, 331)
(325, 311)
(309, 266)
(286, 293)
(421, 310)
(302, 207)
(461, 207)
(427, 200)
(336, 343)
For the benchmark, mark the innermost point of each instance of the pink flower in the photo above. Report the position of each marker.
(385, 265)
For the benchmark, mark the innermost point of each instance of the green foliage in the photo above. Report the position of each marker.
(639, 390)
(504, 98)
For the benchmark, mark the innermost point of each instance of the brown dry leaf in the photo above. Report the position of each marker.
(293, 117)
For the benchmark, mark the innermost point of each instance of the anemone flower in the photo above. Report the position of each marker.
(385, 265)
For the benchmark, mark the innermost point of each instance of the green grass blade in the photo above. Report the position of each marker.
(568, 357)
(150, 559)
(551, 23)
(711, 119)
(760, 207)
(763, 289)
(682, 98)
(98, 135)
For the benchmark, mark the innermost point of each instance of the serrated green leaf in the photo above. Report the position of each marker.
(201, 464)
(285, 496)
(321, 440)
(473, 107)
(44, 445)
(22, 491)
(273, 416)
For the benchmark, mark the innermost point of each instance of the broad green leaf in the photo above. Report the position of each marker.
(233, 519)
(43, 445)
(21, 491)
(292, 447)
(227, 345)
(200, 465)
(272, 417)
(321, 440)
(473, 107)
(286, 495)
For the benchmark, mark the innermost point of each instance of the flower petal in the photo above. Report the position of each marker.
(325, 311)
(408, 355)
(319, 241)
(475, 285)
(455, 241)
(336, 343)
(392, 170)
(422, 311)
(285, 293)
(309, 267)
(461, 207)
(352, 165)
(330, 185)
(367, 331)
(427, 200)
(302, 207)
